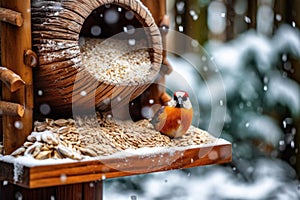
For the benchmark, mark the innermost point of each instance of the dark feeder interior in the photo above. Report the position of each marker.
(109, 20)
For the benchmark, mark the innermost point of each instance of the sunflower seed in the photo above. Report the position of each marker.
(18, 151)
(61, 122)
(43, 155)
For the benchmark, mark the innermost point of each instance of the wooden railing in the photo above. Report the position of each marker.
(17, 98)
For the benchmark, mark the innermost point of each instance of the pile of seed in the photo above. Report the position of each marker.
(82, 137)
(116, 61)
(53, 139)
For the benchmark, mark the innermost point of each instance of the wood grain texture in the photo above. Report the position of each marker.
(111, 167)
(11, 109)
(11, 16)
(14, 42)
(57, 26)
(30, 58)
(80, 191)
(157, 8)
(11, 79)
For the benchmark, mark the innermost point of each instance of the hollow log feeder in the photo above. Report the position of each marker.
(15, 40)
(51, 50)
(61, 76)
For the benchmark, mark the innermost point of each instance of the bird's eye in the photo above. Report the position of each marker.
(184, 98)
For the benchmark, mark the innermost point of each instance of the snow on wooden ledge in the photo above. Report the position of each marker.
(28, 172)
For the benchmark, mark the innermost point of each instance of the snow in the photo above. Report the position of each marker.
(215, 20)
(288, 39)
(273, 179)
(249, 66)
(160, 150)
(29, 161)
(251, 55)
(285, 91)
(254, 125)
(265, 19)
(18, 171)
(232, 56)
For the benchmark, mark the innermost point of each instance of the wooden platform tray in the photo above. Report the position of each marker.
(30, 173)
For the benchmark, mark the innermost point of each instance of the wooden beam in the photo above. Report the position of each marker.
(11, 79)
(10, 16)
(14, 42)
(124, 164)
(157, 9)
(251, 13)
(11, 109)
(80, 191)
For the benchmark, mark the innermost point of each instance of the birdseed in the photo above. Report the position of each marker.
(116, 61)
(87, 137)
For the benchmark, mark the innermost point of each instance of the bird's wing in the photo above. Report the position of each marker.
(159, 119)
(158, 115)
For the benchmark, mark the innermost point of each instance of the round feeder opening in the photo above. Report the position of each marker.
(116, 46)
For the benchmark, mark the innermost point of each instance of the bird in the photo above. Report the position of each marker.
(175, 118)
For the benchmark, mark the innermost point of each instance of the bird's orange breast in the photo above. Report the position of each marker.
(174, 122)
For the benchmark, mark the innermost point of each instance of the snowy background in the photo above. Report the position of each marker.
(254, 173)
(263, 106)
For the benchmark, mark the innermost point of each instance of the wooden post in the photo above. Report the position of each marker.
(251, 13)
(80, 191)
(196, 21)
(192, 18)
(15, 41)
(157, 9)
(230, 19)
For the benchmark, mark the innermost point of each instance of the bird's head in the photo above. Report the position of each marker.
(182, 100)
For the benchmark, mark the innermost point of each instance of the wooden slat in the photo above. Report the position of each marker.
(111, 167)
(12, 17)
(157, 8)
(11, 109)
(14, 42)
(11, 79)
(80, 191)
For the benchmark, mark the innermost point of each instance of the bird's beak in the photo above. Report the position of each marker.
(179, 101)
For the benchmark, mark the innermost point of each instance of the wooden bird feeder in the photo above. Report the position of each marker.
(41, 63)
